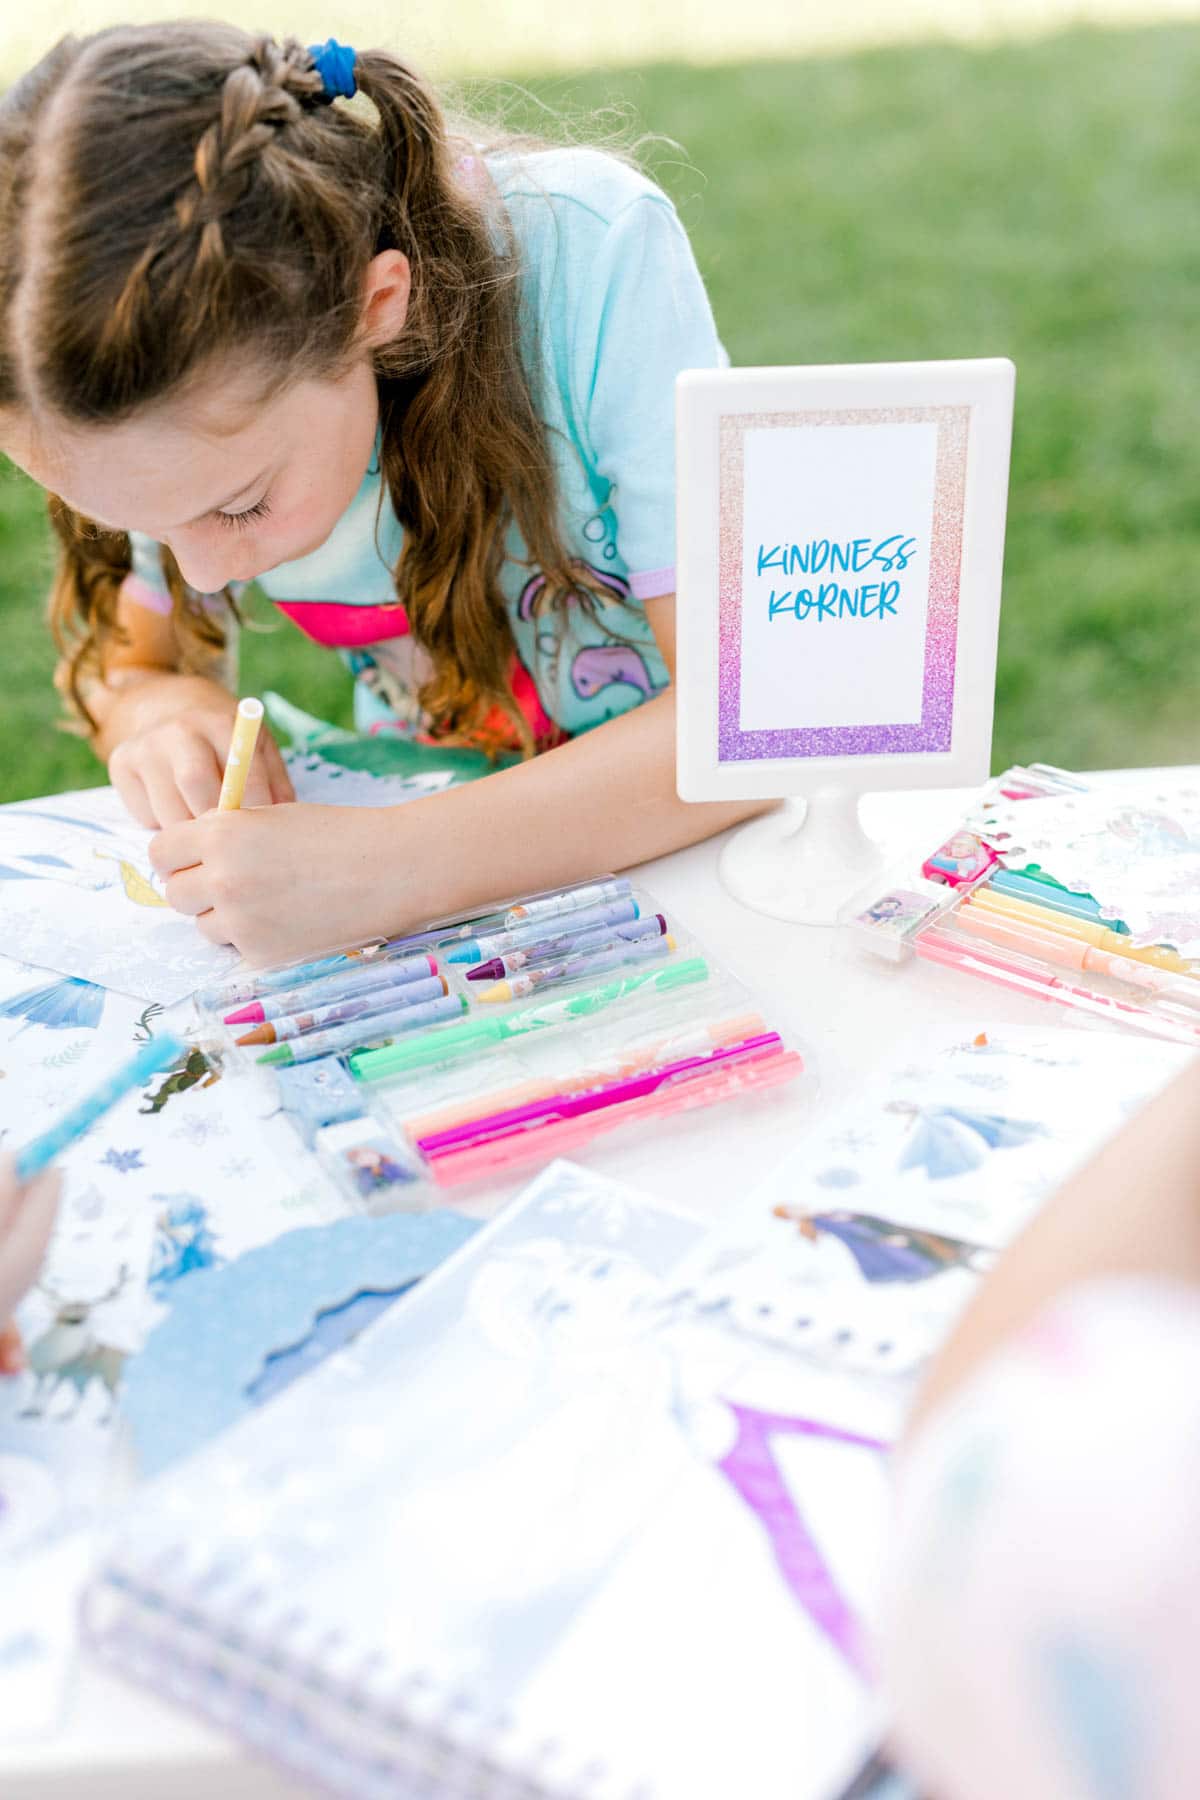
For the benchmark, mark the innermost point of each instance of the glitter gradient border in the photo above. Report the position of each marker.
(933, 733)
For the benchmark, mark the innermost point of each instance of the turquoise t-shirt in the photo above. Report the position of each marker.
(614, 307)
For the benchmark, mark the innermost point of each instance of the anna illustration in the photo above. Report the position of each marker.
(885, 1251)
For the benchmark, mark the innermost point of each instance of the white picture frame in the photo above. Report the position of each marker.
(772, 460)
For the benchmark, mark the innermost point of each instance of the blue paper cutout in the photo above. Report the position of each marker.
(333, 1328)
(206, 1364)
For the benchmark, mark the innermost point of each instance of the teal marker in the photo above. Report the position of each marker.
(158, 1054)
(1028, 884)
(476, 1034)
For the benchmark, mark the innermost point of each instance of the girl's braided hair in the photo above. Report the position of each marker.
(176, 197)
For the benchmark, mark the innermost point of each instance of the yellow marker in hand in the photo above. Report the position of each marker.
(241, 752)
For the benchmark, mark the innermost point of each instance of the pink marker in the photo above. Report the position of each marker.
(568, 1106)
(566, 1136)
(1028, 979)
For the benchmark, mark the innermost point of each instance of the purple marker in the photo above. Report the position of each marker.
(577, 968)
(473, 950)
(603, 937)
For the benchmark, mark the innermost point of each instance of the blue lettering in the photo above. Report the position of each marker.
(797, 559)
(770, 559)
(889, 593)
(840, 554)
(867, 593)
(862, 557)
(779, 603)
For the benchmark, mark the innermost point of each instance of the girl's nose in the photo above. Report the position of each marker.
(205, 568)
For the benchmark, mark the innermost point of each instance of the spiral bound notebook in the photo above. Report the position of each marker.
(541, 1531)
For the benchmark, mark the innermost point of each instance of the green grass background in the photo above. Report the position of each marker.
(1032, 200)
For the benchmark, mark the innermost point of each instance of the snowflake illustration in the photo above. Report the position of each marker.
(197, 1128)
(123, 1160)
(838, 1178)
(853, 1141)
(89, 1204)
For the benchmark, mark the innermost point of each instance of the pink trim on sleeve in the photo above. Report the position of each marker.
(152, 599)
(648, 584)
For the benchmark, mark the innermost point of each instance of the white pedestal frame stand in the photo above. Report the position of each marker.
(854, 480)
(803, 861)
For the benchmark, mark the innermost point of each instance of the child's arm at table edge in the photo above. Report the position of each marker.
(1133, 1210)
(604, 801)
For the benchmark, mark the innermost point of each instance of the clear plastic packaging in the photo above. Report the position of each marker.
(476, 1050)
(978, 904)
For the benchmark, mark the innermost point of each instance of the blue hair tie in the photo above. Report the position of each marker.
(334, 63)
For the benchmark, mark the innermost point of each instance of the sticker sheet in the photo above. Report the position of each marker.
(1135, 850)
(863, 1246)
(78, 895)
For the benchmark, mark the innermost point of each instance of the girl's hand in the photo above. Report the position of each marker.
(287, 881)
(26, 1221)
(171, 769)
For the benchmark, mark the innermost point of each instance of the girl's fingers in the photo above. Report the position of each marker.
(188, 891)
(278, 779)
(131, 790)
(258, 782)
(166, 802)
(209, 926)
(12, 1354)
(23, 1244)
(196, 773)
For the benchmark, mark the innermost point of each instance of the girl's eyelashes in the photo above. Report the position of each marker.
(238, 521)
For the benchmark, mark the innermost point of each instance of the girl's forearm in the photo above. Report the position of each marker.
(1133, 1210)
(604, 801)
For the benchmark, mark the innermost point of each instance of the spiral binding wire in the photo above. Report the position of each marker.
(231, 1662)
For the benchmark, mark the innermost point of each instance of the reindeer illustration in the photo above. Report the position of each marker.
(69, 1353)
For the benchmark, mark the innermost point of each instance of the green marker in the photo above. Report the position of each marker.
(475, 1034)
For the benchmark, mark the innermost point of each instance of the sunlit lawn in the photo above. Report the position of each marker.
(1036, 201)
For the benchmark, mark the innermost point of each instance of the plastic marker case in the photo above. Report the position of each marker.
(476, 1049)
(976, 903)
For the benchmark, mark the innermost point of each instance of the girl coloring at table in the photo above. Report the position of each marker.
(420, 389)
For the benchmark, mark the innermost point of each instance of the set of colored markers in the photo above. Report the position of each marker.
(455, 1052)
(980, 905)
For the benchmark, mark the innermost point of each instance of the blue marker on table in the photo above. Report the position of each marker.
(158, 1054)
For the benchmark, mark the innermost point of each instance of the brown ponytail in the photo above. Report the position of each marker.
(231, 212)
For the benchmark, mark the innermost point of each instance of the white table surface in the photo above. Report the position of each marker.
(844, 1009)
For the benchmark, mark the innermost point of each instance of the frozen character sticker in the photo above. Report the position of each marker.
(374, 1168)
(961, 860)
(946, 1141)
(897, 913)
(885, 1252)
(183, 1241)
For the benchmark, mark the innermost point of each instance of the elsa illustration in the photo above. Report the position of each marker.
(182, 1241)
(884, 1251)
(949, 1140)
(66, 1005)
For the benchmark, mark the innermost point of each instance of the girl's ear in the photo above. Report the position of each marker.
(385, 298)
